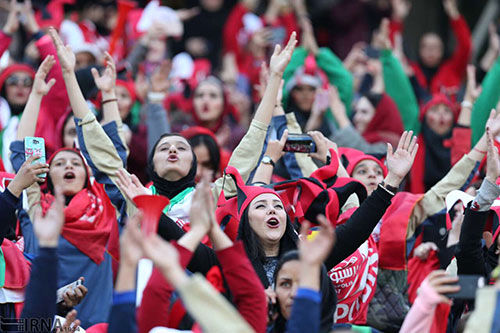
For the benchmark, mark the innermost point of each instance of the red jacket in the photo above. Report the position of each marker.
(4, 42)
(452, 71)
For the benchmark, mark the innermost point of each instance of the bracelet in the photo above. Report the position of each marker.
(391, 189)
(481, 151)
(109, 100)
(466, 104)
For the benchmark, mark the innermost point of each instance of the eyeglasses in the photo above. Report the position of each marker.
(16, 80)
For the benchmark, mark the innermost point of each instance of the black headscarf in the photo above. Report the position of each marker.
(165, 187)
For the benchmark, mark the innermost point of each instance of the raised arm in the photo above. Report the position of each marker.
(106, 83)
(27, 125)
(11, 25)
(359, 227)
(462, 51)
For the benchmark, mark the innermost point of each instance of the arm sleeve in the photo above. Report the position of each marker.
(486, 101)
(462, 52)
(350, 137)
(210, 309)
(122, 314)
(470, 259)
(421, 314)
(4, 42)
(306, 312)
(135, 57)
(433, 200)
(8, 206)
(244, 158)
(157, 123)
(246, 288)
(398, 86)
(105, 153)
(40, 298)
(155, 304)
(360, 225)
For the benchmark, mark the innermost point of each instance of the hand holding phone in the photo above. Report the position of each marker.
(69, 287)
(300, 143)
(34, 146)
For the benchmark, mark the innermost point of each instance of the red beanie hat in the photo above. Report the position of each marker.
(436, 100)
(362, 157)
(129, 85)
(15, 68)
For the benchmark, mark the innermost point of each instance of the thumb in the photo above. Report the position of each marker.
(95, 73)
(51, 83)
(283, 139)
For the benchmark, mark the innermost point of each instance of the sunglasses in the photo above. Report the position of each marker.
(15, 80)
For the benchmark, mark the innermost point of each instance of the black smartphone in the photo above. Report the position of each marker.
(299, 143)
(468, 286)
(372, 52)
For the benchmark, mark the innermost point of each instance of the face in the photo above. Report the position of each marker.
(157, 49)
(208, 102)
(364, 113)
(67, 171)
(440, 119)
(69, 133)
(287, 283)
(84, 60)
(124, 101)
(173, 157)
(18, 88)
(203, 160)
(304, 96)
(267, 218)
(431, 50)
(369, 173)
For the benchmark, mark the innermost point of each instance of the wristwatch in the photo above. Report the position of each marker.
(268, 160)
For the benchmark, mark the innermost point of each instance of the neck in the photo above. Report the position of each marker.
(271, 249)
(211, 124)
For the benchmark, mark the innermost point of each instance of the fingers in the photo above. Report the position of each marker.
(135, 181)
(95, 74)
(326, 226)
(55, 38)
(59, 202)
(45, 66)
(389, 150)
(408, 138)
(283, 139)
(51, 83)
(277, 50)
(402, 140)
(304, 230)
(291, 42)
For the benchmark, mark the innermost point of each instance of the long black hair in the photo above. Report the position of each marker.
(212, 147)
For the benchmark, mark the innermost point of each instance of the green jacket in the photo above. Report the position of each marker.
(333, 67)
(398, 86)
(485, 102)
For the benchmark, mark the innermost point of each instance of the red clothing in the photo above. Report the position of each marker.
(4, 42)
(244, 284)
(234, 43)
(452, 71)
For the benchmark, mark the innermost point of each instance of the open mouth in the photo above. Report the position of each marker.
(70, 175)
(205, 108)
(273, 223)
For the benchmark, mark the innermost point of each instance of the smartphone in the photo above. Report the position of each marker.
(71, 286)
(299, 143)
(468, 286)
(372, 52)
(35, 146)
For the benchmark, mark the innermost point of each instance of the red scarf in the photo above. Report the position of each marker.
(89, 219)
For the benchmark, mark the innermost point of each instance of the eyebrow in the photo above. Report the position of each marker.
(170, 143)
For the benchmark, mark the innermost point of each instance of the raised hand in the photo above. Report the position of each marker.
(281, 57)
(315, 251)
(30, 23)
(492, 162)
(493, 122)
(130, 185)
(200, 214)
(164, 255)
(159, 80)
(12, 23)
(27, 176)
(106, 82)
(441, 283)
(451, 8)
(472, 91)
(381, 37)
(64, 53)
(400, 161)
(275, 147)
(400, 9)
(41, 87)
(323, 146)
(131, 248)
(48, 228)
